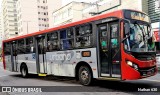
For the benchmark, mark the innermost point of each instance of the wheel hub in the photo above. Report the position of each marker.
(84, 75)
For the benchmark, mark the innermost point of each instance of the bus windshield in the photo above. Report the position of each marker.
(140, 38)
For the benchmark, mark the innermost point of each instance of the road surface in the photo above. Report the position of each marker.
(69, 86)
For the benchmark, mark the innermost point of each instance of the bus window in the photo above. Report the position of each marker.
(7, 49)
(83, 36)
(103, 37)
(114, 36)
(21, 47)
(67, 39)
(52, 42)
(30, 45)
(14, 45)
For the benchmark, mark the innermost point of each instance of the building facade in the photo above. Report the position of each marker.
(69, 13)
(154, 12)
(104, 6)
(9, 16)
(53, 5)
(34, 15)
(75, 11)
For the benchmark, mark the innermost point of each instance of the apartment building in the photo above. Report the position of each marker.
(33, 15)
(9, 16)
(69, 13)
(154, 12)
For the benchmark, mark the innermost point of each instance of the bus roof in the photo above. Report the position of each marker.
(118, 13)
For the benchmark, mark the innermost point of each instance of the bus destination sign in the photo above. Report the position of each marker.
(137, 16)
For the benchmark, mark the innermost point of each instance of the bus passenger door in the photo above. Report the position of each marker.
(41, 54)
(109, 49)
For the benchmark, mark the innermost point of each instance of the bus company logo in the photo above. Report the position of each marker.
(6, 89)
(61, 57)
(21, 89)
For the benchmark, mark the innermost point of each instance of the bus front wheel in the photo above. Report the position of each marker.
(24, 71)
(85, 75)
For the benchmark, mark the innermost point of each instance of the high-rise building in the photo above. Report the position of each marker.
(154, 12)
(34, 15)
(9, 16)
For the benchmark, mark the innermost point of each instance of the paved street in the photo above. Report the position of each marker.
(99, 87)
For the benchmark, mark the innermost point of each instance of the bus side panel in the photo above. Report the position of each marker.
(20, 60)
(92, 60)
(15, 63)
(63, 63)
(8, 62)
(29, 60)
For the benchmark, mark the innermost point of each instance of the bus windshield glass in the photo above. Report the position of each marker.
(140, 38)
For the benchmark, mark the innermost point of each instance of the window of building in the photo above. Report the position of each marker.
(67, 39)
(52, 42)
(84, 36)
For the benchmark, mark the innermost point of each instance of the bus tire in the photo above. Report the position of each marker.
(85, 75)
(24, 71)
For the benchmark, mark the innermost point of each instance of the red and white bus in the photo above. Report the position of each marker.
(116, 45)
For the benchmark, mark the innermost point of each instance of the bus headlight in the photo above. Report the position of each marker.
(129, 63)
(135, 66)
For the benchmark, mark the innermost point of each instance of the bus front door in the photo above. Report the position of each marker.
(41, 54)
(109, 49)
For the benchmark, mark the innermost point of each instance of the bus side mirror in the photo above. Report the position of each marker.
(127, 29)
